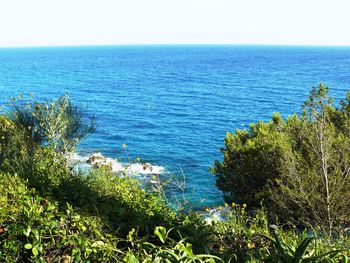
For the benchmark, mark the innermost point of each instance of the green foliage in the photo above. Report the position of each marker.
(298, 167)
(35, 229)
(16, 149)
(251, 160)
(238, 238)
(51, 213)
(245, 237)
(29, 130)
(170, 250)
(39, 230)
(120, 201)
(58, 124)
(288, 253)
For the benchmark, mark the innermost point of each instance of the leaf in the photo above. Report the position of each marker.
(35, 251)
(169, 252)
(28, 246)
(202, 256)
(331, 254)
(36, 233)
(344, 259)
(98, 243)
(130, 258)
(300, 251)
(27, 232)
(160, 231)
(188, 249)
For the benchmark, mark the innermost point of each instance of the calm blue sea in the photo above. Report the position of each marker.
(172, 105)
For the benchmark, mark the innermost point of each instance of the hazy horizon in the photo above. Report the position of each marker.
(175, 44)
(41, 23)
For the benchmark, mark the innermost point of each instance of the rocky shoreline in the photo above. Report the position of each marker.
(97, 160)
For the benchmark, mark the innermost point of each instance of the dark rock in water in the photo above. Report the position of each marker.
(95, 158)
(147, 166)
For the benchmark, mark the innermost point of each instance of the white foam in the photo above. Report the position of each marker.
(217, 215)
(145, 168)
(213, 218)
(133, 169)
(76, 158)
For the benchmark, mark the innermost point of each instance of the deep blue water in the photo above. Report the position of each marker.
(172, 105)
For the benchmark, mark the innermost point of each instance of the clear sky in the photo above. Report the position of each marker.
(108, 22)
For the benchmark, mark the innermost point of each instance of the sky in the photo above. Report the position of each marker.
(117, 22)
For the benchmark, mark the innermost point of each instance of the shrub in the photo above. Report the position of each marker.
(58, 124)
(51, 213)
(120, 201)
(299, 167)
(16, 149)
(34, 228)
(251, 160)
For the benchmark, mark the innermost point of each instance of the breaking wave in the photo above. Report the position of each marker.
(85, 162)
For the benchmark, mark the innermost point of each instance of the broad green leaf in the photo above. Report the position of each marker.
(28, 246)
(160, 231)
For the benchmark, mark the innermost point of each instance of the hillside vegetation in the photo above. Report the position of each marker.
(50, 212)
(298, 167)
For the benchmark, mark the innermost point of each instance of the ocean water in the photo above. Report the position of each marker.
(172, 105)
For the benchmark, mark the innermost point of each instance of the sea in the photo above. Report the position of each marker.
(172, 105)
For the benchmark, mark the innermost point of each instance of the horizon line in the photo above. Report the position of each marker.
(172, 44)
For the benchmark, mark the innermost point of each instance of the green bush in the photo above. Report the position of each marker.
(252, 159)
(120, 201)
(248, 237)
(51, 213)
(34, 228)
(16, 149)
(58, 124)
(298, 167)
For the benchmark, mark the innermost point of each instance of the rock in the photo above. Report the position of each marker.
(98, 161)
(147, 166)
(95, 158)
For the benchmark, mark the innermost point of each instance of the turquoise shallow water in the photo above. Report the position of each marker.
(172, 105)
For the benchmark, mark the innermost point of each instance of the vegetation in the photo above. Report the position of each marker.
(298, 167)
(49, 212)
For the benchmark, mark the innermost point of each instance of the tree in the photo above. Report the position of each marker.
(251, 160)
(58, 124)
(299, 167)
(30, 129)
